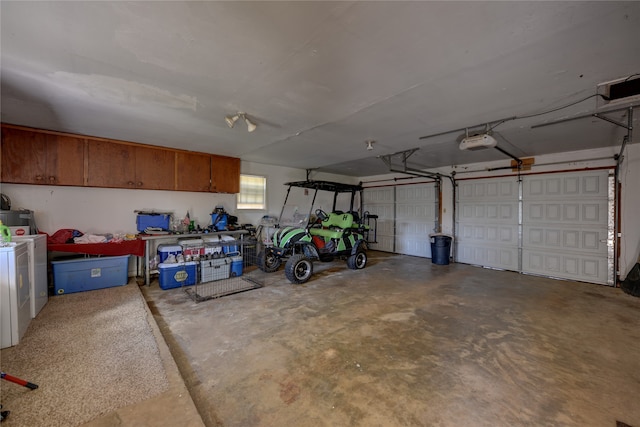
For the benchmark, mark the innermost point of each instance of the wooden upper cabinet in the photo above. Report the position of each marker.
(111, 165)
(155, 168)
(118, 165)
(225, 174)
(193, 171)
(34, 157)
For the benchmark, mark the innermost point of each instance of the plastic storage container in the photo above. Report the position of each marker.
(177, 275)
(153, 220)
(440, 248)
(86, 274)
(165, 250)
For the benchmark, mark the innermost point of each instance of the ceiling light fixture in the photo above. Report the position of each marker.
(231, 121)
(369, 143)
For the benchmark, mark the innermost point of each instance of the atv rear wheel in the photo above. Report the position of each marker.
(357, 261)
(298, 269)
(268, 262)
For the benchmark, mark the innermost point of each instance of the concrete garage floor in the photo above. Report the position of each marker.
(408, 343)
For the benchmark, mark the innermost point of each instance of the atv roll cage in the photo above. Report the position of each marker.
(365, 220)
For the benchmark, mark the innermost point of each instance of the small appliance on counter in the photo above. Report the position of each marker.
(20, 222)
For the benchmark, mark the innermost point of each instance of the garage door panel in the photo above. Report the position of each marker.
(586, 241)
(566, 265)
(489, 256)
(565, 225)
(380, 202)
(487, 223)
(415, 218)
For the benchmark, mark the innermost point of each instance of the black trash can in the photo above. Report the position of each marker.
(440, 248)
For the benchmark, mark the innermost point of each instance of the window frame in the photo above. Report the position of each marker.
(264, 194)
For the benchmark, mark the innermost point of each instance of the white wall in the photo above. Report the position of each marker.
(106, 210)
(629, 179)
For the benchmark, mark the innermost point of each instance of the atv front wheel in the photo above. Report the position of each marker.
(357, 261)
(298, 269)
(268, 262)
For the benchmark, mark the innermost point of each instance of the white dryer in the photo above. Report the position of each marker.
(37, 244)
(15, 293)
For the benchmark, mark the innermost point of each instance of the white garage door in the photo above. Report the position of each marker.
(415, 218)
(406, 216)
(565, 221)
(487, 222)
(381, 201)
(566, 226)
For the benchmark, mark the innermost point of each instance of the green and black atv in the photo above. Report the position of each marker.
(302, 238)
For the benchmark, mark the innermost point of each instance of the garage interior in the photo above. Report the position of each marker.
(508, 126)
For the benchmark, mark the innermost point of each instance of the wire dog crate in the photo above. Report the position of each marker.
(232, 270)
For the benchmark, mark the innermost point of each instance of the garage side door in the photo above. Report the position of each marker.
(565, 225)
(381, 202)
(415, 218)
(487, 222)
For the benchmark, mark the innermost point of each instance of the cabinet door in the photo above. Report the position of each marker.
(155, 168)
(65, 160)
(32, 157)
(24, 156)
(193, 171)
(111, 165)
(225, 174)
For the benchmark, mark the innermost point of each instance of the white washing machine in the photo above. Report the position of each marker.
(37, 245)
(15, 293)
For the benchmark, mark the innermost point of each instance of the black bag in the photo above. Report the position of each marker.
(631, 284)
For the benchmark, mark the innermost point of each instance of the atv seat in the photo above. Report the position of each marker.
(333, 226)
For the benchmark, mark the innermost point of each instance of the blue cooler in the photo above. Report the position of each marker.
(165, 250)
(236, 264)
(177, 275)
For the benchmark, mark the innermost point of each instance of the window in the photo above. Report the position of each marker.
(253, 192)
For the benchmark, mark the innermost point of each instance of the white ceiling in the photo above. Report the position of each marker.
(319, 78)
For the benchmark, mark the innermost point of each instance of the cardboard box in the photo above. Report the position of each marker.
(86, 274)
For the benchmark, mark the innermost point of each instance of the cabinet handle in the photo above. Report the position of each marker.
(130, 183)
(139, 183)
(38, 177)
(52, 179)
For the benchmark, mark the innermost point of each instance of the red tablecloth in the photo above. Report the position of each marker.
(125, 247)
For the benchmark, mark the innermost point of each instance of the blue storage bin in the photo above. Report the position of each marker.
(86, 274)
(177, 275)
(153, 220)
